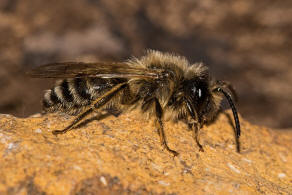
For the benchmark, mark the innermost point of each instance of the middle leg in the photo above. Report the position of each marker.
(159, 123)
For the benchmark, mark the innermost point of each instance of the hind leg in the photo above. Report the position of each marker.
(98, 103)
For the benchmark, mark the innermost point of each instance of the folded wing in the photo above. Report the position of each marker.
(98, 69)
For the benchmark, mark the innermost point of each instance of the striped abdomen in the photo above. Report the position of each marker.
(71, 95)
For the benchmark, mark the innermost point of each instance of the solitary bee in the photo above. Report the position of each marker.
(162, 85)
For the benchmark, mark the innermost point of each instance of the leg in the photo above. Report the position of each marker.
(196, 128)
(159, 124)
(94, 118)
(95, 105)
(77, 119)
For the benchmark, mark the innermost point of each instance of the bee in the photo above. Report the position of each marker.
(162, 85)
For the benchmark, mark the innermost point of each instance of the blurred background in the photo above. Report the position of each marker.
(246, 42)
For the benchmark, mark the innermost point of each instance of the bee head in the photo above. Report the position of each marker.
(197, 92)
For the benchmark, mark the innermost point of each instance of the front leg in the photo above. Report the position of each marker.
(196, 129)
(195, 126)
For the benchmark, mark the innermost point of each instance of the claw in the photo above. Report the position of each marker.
(201, 149)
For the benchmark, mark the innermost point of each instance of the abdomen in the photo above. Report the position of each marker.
(72, 95)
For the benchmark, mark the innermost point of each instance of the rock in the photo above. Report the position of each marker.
(123, 155)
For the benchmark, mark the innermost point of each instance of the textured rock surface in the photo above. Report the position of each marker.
(123, 155)
(245, 42)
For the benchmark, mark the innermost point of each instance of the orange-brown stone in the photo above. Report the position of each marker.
(123, 155)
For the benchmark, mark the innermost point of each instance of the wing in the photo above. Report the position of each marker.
(98, 69)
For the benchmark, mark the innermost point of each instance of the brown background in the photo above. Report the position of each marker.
(246, 42)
